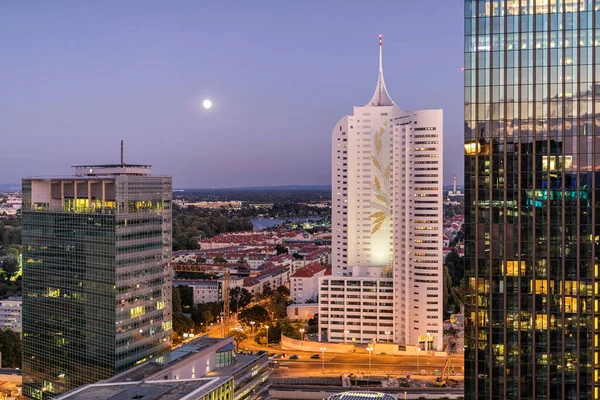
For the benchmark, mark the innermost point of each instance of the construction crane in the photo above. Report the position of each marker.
(225, 290)
(442, 381)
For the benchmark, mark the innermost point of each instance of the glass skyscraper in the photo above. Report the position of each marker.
(96, 282)
(532, 215)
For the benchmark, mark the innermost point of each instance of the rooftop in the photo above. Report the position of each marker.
(309, 271)
(146, 390)
(361, 396)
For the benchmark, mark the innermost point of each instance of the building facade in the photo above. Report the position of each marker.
(304, 283)
(96, 281)
(532, 151)
(387, 221)
(11, 314)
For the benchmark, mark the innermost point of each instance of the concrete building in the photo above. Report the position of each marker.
(304, 283)
(210, 358)
(96, 252)
(364, 395)
(164, 389)
(272, 277)
(208, 291)
(387, 221)
(10, 314)
(302, 312)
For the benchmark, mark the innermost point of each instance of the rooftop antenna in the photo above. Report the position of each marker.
(122, 163)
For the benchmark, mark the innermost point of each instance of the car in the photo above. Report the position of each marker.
(278, 356)
(294, 357)
(315, 356)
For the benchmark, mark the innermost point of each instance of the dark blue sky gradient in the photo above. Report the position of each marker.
(77, 76)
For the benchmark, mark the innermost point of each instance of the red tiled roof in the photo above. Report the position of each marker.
(308, 271)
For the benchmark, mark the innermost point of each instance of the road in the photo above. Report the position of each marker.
(359, 363)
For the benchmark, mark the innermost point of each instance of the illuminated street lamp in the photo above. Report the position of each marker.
(346, 332)
(323, 359)
(302, 334)
(267, 326)
(369, 349)
(252, 326)
(418, 351)
(387, 336)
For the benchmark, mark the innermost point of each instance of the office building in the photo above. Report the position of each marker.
(207, 358)
(386, 225)
(10, 314)
(532, 151)
(96, 281)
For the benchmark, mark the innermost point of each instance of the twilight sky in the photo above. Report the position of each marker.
(78, 76)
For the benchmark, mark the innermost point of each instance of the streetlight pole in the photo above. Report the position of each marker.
(346, 332)
(369, 349)
(418, 351)
(267, 326)
(323, 359)
(252, 326)
(387, 336)
(302, 334)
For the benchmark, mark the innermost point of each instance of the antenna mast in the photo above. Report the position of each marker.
(122, 163)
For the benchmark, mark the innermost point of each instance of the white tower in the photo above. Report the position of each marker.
(375, 157)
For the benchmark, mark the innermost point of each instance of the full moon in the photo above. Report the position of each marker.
(207, 104)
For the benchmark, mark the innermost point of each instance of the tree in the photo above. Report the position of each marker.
(9, 266)
(281, 249)
(283, 290)
(277, 305)
(274, 335)
(267, 290)
(314, 321)
(219, 260)
(241, 297)
(10, 346)
(298, 256)
(238, 337)
(187, 296)
(181, 323)
(446, 287)
(255, 313)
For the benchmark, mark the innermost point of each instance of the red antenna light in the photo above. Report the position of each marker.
(380, 39)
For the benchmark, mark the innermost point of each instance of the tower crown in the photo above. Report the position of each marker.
(381, 96)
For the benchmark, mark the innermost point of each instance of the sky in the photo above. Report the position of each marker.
(76, 77)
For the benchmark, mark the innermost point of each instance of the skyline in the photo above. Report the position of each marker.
(80, 76)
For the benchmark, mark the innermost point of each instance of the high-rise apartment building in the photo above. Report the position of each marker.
(532, 154)
(387, 271)
(96, 281)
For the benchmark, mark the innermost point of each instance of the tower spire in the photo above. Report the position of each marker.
(381, 96)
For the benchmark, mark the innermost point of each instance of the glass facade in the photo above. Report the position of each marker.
(96, 285)
(532, 217)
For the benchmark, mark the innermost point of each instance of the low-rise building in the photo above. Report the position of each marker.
(10, 314)
(302, 312)
(208, 358)
(208, 291)
(272, 277)
(164, 389)
(304, 283)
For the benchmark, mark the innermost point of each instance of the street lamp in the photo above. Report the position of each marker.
(387, 336)
(267, 326)
(323, 359)
(346, 332)
(369, 349)
(302, 334)
(418, 351)
(252, 326)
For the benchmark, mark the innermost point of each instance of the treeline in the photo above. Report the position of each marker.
(192, 224)
(258, 195)
(10, 231)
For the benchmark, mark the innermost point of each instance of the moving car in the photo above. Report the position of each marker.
(294, 357)
(315, 356)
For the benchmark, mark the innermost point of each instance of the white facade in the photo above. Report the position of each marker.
(10, 314)
(387, 220)
(304, 283)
